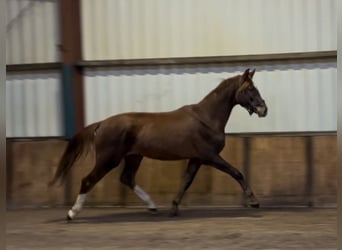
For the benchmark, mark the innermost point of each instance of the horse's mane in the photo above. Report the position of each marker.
(232, 82)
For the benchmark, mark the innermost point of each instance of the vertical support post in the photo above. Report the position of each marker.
(309, 171)
(246, 159)
(68, 101)
(9, 172)
(72, 76)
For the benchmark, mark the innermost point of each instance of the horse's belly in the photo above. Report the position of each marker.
(163, 156)
(164, 149)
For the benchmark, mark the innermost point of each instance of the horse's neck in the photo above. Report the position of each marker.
(217, 106)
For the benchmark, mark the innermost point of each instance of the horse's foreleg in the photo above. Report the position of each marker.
(127, 177)
(224, 166)
(190, 174)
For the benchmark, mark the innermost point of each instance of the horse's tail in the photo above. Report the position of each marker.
(77, 146)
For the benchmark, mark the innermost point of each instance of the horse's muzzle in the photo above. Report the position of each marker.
(261, 111)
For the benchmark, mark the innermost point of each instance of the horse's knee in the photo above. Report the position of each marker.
(127, 180)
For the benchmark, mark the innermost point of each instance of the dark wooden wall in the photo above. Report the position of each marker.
(282, 170)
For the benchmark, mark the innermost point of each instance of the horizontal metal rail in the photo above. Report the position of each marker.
(281, 57)
(179, 61)
(33, 67)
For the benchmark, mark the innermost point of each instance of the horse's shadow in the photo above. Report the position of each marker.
(162, 215)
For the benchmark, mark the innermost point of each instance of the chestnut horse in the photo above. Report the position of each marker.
(194, 132)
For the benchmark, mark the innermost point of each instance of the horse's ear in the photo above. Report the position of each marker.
(244, 76)
(251, 74)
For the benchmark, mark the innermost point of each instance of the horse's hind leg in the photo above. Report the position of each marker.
(127, 177)
(104, 164)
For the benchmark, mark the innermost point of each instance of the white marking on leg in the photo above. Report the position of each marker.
(144, 196)
(77, 206)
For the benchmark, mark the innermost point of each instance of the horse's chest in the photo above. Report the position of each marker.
(211, 139)
(218, 142)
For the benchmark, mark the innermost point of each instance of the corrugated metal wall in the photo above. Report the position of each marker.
(123, 29)
(301, 96)
(32, 31)
(33, 105)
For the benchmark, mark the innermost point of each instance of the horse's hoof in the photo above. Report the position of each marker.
(254, 205)
(70, 215)
(174, 213)
(153, 210)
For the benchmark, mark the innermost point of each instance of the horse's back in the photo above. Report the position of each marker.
(136, 120)
(155, 135)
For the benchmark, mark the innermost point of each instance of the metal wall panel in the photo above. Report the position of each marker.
(301, 96)
(125, 29)
(33, 105)
(32, 31)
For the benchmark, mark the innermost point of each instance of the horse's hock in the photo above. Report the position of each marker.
(282, 170)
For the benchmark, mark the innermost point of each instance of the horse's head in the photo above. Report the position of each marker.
(248, 96)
